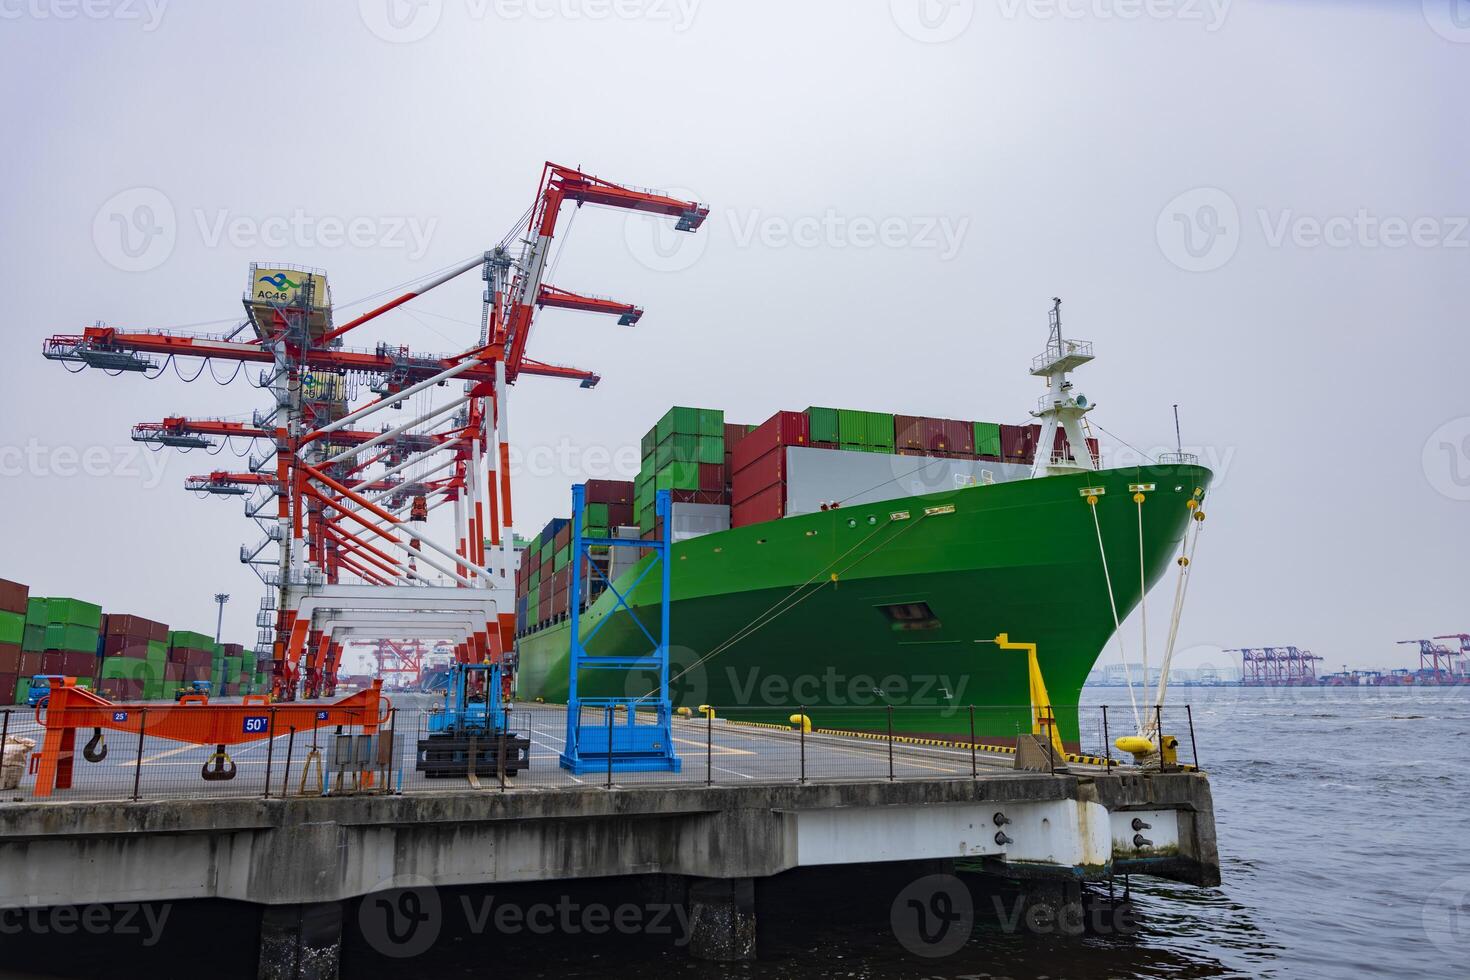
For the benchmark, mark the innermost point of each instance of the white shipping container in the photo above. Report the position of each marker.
(822, 476)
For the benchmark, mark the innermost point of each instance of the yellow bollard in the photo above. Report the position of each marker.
(802, 721)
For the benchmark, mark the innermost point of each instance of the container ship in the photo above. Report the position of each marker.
(847, 561)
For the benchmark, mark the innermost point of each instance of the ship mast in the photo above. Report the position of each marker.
(1061, 408)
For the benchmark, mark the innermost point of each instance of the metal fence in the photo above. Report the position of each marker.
(727, 746)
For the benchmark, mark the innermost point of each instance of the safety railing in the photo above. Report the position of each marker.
(403, 752)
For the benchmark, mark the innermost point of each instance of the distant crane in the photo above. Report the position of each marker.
(1438, 664)
(1277, 666)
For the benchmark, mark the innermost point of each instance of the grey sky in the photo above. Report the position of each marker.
(1255, 209)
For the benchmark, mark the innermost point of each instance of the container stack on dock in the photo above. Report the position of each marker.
(134, 656)
(13, 601)
(73, 631)
(123, 656)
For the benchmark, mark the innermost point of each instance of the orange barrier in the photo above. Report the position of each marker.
(193, 719)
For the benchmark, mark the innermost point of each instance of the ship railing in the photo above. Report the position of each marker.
(1057, 352)
(717, 745)
(1178, 459)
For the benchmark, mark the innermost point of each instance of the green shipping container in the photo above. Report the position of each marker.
(157, 652)
(12, 627)
(189, 640)
(823, 423)
(22, 690)
(712, 423)
(711, 449)
(866, 430)
(76, 639)
(677, 476)
(595, 515)
(73, 612)
(650, 441)
(678, 419)
(36, 614)
(987, 438)
(563, 558)
(35, 638)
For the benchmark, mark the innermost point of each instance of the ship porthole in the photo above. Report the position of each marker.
(872, 519)
(852, 522)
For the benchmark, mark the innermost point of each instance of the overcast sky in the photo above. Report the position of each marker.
(1256, 210)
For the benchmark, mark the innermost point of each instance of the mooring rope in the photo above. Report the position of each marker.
(1113, 604)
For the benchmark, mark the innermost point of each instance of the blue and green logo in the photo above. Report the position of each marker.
(279, 281)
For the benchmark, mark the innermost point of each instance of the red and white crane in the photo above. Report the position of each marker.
(354, 485)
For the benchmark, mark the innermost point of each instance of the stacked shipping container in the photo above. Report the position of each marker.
(544, 574)
(13, 600)
(134, 656)
(686, 454)
(700, 459)
(758, 486)
(125, 657)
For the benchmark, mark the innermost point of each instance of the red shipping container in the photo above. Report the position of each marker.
(959, 438)
(7, 687)
(233, 649)
(51, 662)
(914, 432)
(768, 471)
(124, 646)
(768, 505)
(620, 515)
(1060, 443)
(609, 492)
(13, 596)
(781, 429)
(733, 435)
(195, 673)
(173, 672)
(119, 624)
(9, 660)
(563, 537)
(79, 664)
(30, 663)
(1018, 442)
(712, 476)
(199, 658)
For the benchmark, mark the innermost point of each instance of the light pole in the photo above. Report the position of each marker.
(221, 598)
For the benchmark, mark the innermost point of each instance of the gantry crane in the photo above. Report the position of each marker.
(347, 505)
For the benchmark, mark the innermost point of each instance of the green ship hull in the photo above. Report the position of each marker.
(884, 613)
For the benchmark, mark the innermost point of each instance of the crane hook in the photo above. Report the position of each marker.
(219, 766)
(96, 749)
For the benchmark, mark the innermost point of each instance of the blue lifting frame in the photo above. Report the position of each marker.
(631, 743)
